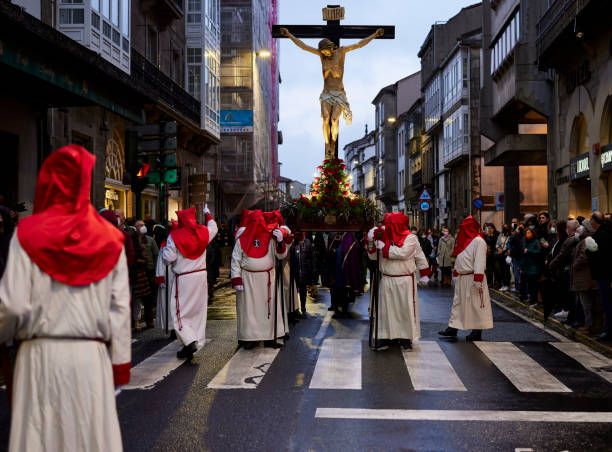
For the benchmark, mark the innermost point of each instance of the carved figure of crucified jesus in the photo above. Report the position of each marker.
(333, 98)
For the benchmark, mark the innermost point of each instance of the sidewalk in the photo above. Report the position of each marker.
(537, 315)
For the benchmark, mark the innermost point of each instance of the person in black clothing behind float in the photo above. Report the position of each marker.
(490, 236)
(303, 267)
(213, 262)
(320, 250)
(225, 241)
(599, 250)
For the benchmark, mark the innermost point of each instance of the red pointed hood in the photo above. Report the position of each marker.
(396, 228)
(274, 219)
(65, 237)
(469, 230)
(190, 237)
(256, 236)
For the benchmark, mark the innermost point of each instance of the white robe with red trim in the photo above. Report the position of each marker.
(398, 310)
(254, 314)
(64, 386)
(188, 291)
(163, 286)
(471, 306)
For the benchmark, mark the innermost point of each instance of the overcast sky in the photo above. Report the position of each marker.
(367, 70)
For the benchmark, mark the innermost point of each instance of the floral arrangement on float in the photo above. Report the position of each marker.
(331, 203)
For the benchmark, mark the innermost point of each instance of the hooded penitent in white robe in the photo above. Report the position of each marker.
(255, 314)
(471, 306)
(75, 340)
(398, 311)
(164, 285)
(189, 304)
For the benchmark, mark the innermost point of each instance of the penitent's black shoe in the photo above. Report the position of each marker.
(248, 345)
(475, 335)
(187, 351)
(448, 332)
(272, 344)
(383, 344)
(406, 344)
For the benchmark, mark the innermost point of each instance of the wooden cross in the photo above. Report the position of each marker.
(333, 31)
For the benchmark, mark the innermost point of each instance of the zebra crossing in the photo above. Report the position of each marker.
(339, 367)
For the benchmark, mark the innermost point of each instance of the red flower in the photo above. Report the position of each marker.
(338, 205)
(354, 201)
(329, 205)
(317, 179)
(345, 193)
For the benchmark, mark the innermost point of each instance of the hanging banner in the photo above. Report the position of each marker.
(233, 121)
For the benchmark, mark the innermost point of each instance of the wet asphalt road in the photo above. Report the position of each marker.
(181, 414)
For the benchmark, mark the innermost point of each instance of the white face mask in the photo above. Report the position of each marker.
(580, 229)
(143, 230)
(118, 221)
(552, 230)
(576, 235)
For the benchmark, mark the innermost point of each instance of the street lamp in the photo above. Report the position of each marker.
(391, 119)
(264, 54)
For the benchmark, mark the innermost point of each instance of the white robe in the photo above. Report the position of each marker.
(64, 393)
(471, 307)
(189, 316)
(398, 311)
(291, 305)
(254, 324)
(160, 272)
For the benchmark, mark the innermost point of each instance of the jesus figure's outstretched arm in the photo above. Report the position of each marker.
(298, 42)
(364, 41)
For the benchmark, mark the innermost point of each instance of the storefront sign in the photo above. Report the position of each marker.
(233, 121)
(606, 158)
(579, 166)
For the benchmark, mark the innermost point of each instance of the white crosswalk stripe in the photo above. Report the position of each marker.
(155, 368)
(522, 371)
(338, 366)
(430, 370)
(591, 360)
(245, 370)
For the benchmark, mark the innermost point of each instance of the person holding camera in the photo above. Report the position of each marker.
(402, 256)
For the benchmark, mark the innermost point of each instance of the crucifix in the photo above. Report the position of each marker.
(333, 98)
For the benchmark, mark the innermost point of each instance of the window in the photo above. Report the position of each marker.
(106, 29)
(116, 37)
(125, 17)
(95, 5)
(194, 71)
(194, 16)
(115, 12)
(95, 20)
(106, 8)
(152, 53)
(71, 16)
(505, 43)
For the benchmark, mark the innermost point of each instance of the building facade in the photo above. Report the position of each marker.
(515, 104)
(573, 44)
(362, 165)
(248, 158)
(385, 104)
(63, 93)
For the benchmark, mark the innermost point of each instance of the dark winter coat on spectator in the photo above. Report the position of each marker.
(530, 261)
(581, 279)
(562, 256)
(303, 262)
(599, 261)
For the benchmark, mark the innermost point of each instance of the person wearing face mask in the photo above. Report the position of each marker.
(559, 264)
(144, 283)
(424, 242)
(445, 252)
(515, 249)
(530, 267)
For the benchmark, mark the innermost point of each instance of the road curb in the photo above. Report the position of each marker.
(555, 325)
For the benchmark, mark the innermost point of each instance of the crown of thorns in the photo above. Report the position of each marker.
(326, 44)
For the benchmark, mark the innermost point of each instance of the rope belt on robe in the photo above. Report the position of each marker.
(455, 274)
(68, 338)
(176, 295)
(413, 289)
(269, 284)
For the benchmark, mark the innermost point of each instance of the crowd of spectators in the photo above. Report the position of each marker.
(562, 267)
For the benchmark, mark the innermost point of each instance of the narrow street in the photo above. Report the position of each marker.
(326, 390)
